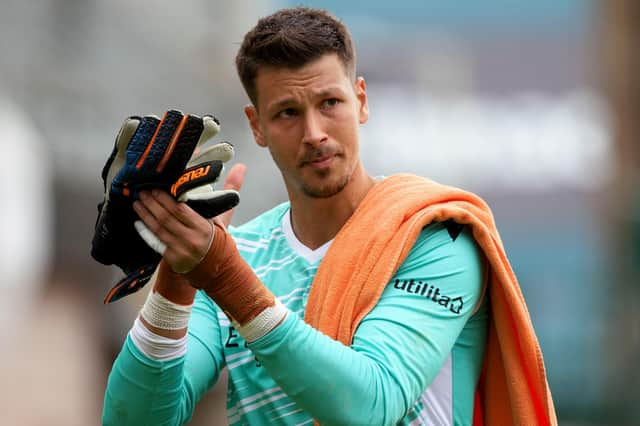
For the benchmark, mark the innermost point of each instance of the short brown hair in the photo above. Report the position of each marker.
(292, 38)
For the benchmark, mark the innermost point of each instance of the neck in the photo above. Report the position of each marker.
(317, 220)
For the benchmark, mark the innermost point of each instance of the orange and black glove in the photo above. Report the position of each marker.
(156, 153)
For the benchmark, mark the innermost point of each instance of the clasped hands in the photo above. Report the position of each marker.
(161, 156)
(185, 235)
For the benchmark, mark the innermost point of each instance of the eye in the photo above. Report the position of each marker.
(331, 102)
(287, 112)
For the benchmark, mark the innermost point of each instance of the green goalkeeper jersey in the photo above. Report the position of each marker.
(415, 358)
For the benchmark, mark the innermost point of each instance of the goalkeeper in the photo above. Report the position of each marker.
(360, 301)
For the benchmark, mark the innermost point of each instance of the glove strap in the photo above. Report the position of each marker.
(131, 283)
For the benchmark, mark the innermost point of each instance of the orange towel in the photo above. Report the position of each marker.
(372, 245)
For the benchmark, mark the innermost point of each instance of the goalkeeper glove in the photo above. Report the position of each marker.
(151, 153)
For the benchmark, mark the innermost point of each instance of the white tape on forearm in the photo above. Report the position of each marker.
(162, 313)
(154, 346)
(266, 321)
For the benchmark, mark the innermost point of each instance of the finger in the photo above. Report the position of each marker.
(126, 132)
(149, 237)
(222, 151)
(161, 220)
(179, 218)
(199, 175)
(142, 137)
(181, 243)
(118, 157)
(173, 247)
(149, 141)
(211, 127)
(181, 145)
(234, 181)
(144, 210)
(208, 203)
(235, 177)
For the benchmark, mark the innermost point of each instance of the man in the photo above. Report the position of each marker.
(413, 355)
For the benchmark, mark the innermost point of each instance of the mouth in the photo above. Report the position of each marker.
(321, 158)
(321, 162)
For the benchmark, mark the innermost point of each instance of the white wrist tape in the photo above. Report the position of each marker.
(162, 313)
(266, 321)
(154, 346)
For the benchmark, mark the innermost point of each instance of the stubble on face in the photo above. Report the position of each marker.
(324, 183)
(325, 189)
(305, 172)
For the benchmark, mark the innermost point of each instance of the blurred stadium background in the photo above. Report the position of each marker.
(533, 105)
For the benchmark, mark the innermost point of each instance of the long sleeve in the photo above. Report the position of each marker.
(399, 347)
(144, 391)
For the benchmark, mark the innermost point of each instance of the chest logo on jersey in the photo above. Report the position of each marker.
(430, 292)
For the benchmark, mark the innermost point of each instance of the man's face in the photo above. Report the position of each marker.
(309, 119)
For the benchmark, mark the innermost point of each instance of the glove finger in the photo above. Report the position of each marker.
(180, 148)
(149, 237)
(140, 145)
(199, 175)
(135, 151)
(131, 283)
(213, 203)
(211, 127)
(222, 151)
(117, 157)
(159, 148)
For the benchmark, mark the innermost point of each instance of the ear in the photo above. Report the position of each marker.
(361, 94)
(254, 122)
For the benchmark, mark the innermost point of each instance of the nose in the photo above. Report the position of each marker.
(314, 133)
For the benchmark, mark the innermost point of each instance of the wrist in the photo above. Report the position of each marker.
(167, 310)
(173, 286)
(263, 323)
(230, 281)
(170, 334)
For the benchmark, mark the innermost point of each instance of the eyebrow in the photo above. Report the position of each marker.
(322, 93)
(281, 103)
(329, 91)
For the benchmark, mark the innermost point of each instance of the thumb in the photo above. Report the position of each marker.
(234, 180)
(235, 177)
